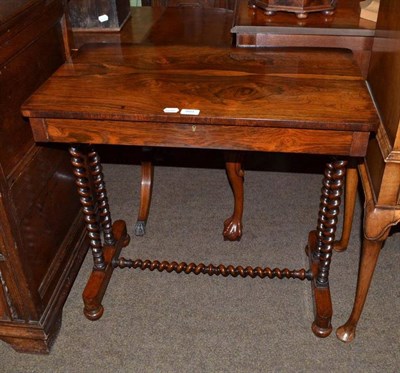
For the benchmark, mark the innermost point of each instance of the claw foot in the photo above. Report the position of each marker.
(232, 229)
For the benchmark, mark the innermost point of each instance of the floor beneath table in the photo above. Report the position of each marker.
(158, 322)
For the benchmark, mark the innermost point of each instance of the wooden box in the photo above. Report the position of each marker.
(98, 15)
(300, 7)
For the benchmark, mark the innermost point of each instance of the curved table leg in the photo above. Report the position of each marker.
(349, 205)
(234, 169)
(145, 197)
(377, 223)
(369, 258)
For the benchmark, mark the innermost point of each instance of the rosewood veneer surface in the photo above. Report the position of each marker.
(112, 91)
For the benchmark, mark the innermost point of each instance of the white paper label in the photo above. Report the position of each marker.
(171, 110)
(103, 18)
(190, 111)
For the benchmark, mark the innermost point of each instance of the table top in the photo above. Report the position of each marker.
(345, 22)
(310, 101)
(238, 87)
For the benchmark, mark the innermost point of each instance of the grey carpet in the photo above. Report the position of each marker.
(159, 322)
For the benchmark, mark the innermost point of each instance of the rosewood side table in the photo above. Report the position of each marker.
(288, 100)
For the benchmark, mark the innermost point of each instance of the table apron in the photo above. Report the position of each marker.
(266, 139)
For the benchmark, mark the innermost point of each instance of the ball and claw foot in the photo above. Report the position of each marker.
(232, 229)
(140, 228)
(346, 333)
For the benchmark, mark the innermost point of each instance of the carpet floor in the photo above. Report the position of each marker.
(159, 322)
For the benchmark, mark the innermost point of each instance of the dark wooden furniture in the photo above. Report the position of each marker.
(291, 101)
(380, 175)
(41, 249)
(300, 7)
(163, 26)
(227, 4)
(187, 26)
(98, 15)
(253, 28)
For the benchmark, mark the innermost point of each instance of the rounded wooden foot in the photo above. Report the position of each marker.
(302, 15)
(346, 333)
(339, 246)
(328, 12)
(321, 332)
(126, 241)
(94, 314)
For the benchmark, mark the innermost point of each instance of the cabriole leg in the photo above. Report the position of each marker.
(234, 169)
(369, 258)
(146, 188)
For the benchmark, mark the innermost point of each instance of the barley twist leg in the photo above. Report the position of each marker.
(321, 243)
(96, 172)
(88, 202)
(328, 216)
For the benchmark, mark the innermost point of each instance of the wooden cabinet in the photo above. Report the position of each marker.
(42, 240)
(227, 4)
(98, 15)
(344, 29)
(380, 175)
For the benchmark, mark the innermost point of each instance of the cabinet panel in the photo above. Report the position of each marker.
(18, 79)
(42, 236)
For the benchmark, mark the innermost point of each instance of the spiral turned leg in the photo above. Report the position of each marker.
(233, 225)
(96, 172)
(82, 180)
(93, 196)
(321, 243)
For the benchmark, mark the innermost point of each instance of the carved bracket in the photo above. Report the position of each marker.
(378, 220)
